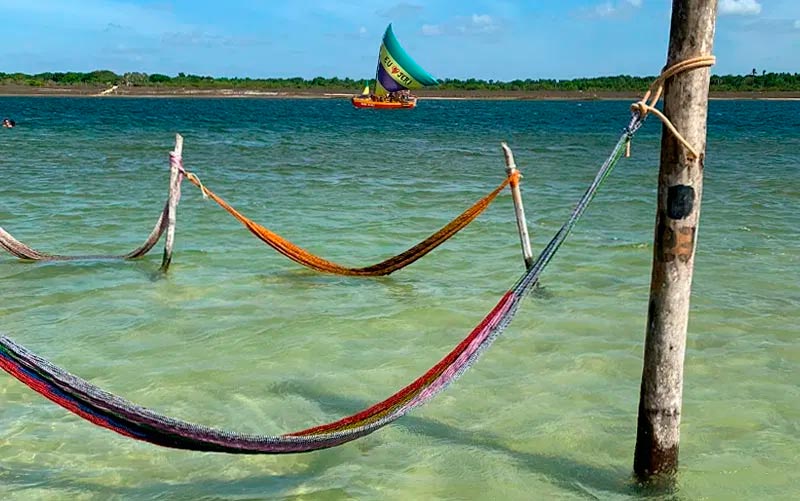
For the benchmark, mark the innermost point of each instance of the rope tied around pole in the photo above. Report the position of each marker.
(648, 102)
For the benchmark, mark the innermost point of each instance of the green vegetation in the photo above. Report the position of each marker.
(622, 83)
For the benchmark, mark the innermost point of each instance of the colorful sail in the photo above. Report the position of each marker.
(396, 70)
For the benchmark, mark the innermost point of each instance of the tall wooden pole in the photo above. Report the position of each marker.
(519, 209)
(175, 178)
(680, 187)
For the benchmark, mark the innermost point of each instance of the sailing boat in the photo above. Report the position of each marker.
(396, 74)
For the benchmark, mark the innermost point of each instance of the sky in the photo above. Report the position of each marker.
(486, 39)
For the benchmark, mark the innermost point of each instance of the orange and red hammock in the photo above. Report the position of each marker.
(385, 267)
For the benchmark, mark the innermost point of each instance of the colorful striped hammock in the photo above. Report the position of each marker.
(126, 418)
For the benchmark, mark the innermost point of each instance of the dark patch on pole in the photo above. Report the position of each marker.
(672, 244)
(680, 201)
(654, 459)
(166, 260)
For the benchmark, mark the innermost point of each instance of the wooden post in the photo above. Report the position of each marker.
(175, 178)
(680, 187)
(519, 209)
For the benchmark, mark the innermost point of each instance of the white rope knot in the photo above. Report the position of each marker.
(648, 102)
(193, 177)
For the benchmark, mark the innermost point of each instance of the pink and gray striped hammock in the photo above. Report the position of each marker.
(126, 418)
(165, 223)
(23, 251)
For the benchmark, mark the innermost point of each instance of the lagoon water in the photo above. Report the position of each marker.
(238, 337)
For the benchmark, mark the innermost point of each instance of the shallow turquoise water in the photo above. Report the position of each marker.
(238, 337)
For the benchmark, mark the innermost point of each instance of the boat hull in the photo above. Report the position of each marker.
(367, 102)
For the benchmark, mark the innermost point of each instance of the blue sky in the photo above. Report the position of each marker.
(489, 39)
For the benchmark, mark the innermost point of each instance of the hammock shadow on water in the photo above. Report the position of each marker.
(566, 473)
(542, 293)
(581, 479)
(308, 279)
(39, 270)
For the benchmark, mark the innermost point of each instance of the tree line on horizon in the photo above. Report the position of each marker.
(620, 83)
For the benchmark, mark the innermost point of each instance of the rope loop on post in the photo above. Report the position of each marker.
(196, 180)
(648, 102)
(190, 176)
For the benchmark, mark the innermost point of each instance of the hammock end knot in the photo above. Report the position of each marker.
(640, 108)
(196, 180)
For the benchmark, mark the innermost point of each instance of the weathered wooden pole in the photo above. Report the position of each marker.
(175, 178)
(680, 186)
(519, 209)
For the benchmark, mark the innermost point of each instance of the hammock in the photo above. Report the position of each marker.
(22, 251)
(126, 418)
(305, 258)
(165, 223)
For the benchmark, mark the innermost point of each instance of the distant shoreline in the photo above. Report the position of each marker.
(172, 92)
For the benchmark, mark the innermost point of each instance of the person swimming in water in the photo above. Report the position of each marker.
(8, 123)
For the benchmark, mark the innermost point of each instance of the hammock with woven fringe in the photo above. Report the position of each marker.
(115, 413)
(309, 260)
(22, 251)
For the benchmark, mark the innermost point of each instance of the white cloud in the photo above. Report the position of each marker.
(476, 24)
(481, 19)
(609, 8)
(208, 40)
(431, 30)
(797, 24)
(739, 7)
(605, 10)
(481, 23)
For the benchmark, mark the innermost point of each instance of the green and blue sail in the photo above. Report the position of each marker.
(396, 70)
